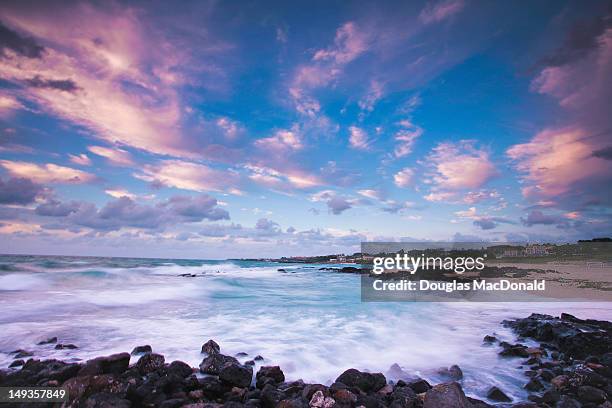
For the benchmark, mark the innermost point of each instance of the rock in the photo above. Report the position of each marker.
(403, 397)
(513, 350)
(586, 393)
(16, 363)
(249, 362)
(113, 364)
(447, 395)
(211, 347)
(419, 386)
(50, 340)
(180, 369)
(21, 353)
(534, 385)
(236, 374)
(172, 403)
(567, 402)
(106, 400)
(344, 397)
(142, 349)
(560, 382)
(319, 400)
(495, 394)
(367, 382)
(213, 363)
(150, 362)
(489, 339)
(242, 354)
(258, 358)
(310, 389)
(270, 396)
(68, 346)
(453, 372)
(212, 387)
(272, 374)
(291, 403)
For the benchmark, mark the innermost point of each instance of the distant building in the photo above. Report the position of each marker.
(511, 253)
(537, 250)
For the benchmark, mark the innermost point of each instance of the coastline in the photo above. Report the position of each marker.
(572, 365)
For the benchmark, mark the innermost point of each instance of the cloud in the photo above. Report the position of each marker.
(21, 45)
(118, 193)
(483, 221)
(456, 167)
(537, 217)
(358, 138)
(406, 138)
(81, 159)
(372, 194)
(286, 179)
(336, 204)
(283, 141)
(435, 12)
(110, 69)
(115, 155)
(9, 104)
(394, 207)
(56, 208)
(189, 176)
(404, 178)
(373, 95)
(47, 173)
(20, 191)
(267, 225)
(326, 66)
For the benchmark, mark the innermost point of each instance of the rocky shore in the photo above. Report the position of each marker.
(571, 366)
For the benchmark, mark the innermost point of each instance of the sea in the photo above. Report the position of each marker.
(310, 322)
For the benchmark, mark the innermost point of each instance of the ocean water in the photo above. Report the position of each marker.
(310, 322)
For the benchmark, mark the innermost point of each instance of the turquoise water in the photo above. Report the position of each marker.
(310, 322)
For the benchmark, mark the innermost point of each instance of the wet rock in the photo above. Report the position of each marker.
(534, 385)
(113, 364)
(249, 362)
(586, 393)
(180, 369)
(495, 394)
(489, 339)
(453, 372)
(242, 354)
(448, 395)
(50, 340)
(211, 347)
(419, 385)
(258, 358)
(270, 396)
(292, 403)
(310, 389)
(236, 374)
(567, 402)
(367, 382)
(344, 397)
(560, 382)
(149, 363)
(513, 350)
(403, 397)
(106, 400)
(142, 349)
(172, 403)
(213, 363)
(319, 400)
(212, 387)
(22, 353)
(16, 363)
(269, 374)
(68, 346)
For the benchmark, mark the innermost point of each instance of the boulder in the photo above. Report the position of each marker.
(495, 394)
(236, 374)
(589, 394)
(272, 374)
(68, 346)
(142, 349)
(149, 363)
(180, 369)
(113, 364)
(447, 395)
(367, 382)
(211, 347)
(419, 385)
(319, 400)
(213, 363)
(50, 340)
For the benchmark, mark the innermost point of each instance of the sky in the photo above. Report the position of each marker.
(257, 129)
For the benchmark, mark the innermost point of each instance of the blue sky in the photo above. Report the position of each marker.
(263, 129)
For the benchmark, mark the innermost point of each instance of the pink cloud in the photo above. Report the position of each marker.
(283, 141)
(404, 177)
(114, 155)
(460, 166)
(190, 176)
(358, 138)
(47, 173)
(81, 159)
(436, 12)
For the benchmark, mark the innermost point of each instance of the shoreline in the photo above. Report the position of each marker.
(571, 365)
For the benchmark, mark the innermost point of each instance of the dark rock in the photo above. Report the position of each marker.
(513, 350)
(242, 354)
(213, 363)
(212, 387)
(150, 362)
(489, 339)
(453, 372)
(68, 346)
(236, 374)
(498, 395)
(211, 347)
(173, 403)
(142, 349)
(273, 373)
(587, 393)
(106, 400)
(50, 340)
(21, 353)
(403, 397)
(249, 362)
(16, 363)
(345, 397)
(448, 395)
(419, 385)
(310, 389)
(180, 369)
(258, 358)
(567, 402)
(366, 382)
(270, 396)
(113, 364)
(292, 403)
(534, 385)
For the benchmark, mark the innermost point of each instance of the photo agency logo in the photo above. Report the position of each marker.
(486, 271)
